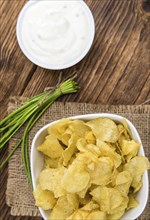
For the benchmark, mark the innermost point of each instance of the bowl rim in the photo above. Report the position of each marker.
(114, 117)
(54, 66)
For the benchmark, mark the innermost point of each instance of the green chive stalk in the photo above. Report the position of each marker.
(27, 115)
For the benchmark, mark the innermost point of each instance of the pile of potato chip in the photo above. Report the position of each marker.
(91, 170)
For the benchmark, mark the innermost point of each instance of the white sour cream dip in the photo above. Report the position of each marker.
(56, 32)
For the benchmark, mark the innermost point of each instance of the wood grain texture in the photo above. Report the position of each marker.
(115, 71)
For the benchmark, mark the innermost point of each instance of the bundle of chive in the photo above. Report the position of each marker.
(29, 113)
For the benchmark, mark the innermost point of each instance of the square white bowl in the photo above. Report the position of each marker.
(36, 161)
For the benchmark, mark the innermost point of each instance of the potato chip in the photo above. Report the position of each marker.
(73, 200)
(107, 151)
(104, 129)
(80, 128)
(70, 150)
(75, 179)
(83, 147)
(138, 187)
(51, 163)
(117, 215)
(59, 128)
(101, 174)
(107, 198)
(65, 137)
(123, 182)
(87, 158)
(44, 198)
(83, 192)
(90, 138)
(114, 176)
(51, 147)
(87, 198)
(117, 212)
(90, 206)
(62, 209)
(132, 201)
(79, 215)
(124, 122)
(136, 166)
(129, 148)
(50, 180)
(96, 215)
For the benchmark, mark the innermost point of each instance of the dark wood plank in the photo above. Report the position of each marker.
(15, 69)
(115, 71)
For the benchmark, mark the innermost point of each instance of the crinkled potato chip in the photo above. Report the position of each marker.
(107, 151)
(80, 215)
(96, 215)
(83, 192)
(70, 150)
(80, 128)
(136, 166)
(132, 201)
(91, 170)
(123, 182)
(51, 147)
(62, 209)
(59, 128)
(83, 146)
(51, 163)
(104, 129)
(75, 179)
(50, 179)
(92, 205)
(73, 200)
(129, 148)
(107, 198)
(44, 198)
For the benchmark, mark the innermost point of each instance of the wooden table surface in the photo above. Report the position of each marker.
(115, 71)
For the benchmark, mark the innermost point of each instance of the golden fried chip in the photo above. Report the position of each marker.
(73, 200)
(75, 179)
(44, 198)
(90, 138)
(123, 182)
(79, 215)
(70, 150)
(62, 209)
(124, 122)
(87, 198)
(51, 163)
(96, 215)
(129, 148)
(92, 205)
(101, 174)
(108, 198)
(51, 147)
(104, 129)
(59, 128)
(83, 147)
(50, 180)
(136, 166)
(107, 151)
(114, 176)
(83, 192)
(80, 128)
(132, 202)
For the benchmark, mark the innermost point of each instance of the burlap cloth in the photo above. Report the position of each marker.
(18, 195)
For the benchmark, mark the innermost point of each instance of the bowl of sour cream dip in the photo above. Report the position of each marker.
(55, 34)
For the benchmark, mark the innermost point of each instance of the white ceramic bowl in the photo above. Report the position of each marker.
(52, 66)
(37, 163)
